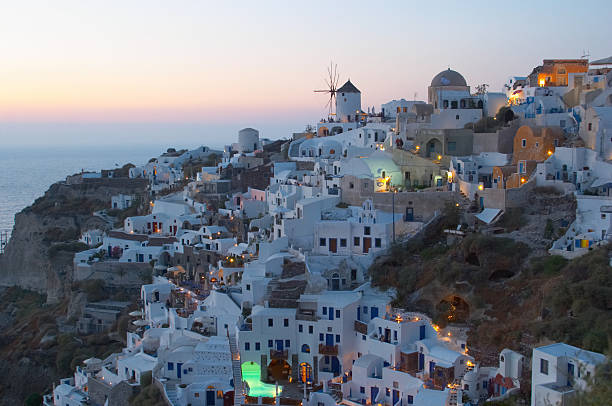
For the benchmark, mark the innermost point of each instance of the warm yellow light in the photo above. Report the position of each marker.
(457, 204)
(435, 327)
(439, 157)
(542, 82)
(522, 180)
(549, 152)
(418, 147)
(480, 187)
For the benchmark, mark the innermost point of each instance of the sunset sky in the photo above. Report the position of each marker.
(148, 71)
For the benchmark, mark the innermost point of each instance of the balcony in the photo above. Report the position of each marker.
(328, 349)
(361, 327)
(279, 354)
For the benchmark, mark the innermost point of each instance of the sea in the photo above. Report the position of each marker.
(27, 172)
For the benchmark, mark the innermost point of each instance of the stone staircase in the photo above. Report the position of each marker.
(456, 386)
(236, 371)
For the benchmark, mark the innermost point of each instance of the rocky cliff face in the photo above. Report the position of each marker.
(40, 252)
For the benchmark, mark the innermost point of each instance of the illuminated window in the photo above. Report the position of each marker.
(523, 143)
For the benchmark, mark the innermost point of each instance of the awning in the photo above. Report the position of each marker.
(488, 215)
(601, 182)
(604, 61)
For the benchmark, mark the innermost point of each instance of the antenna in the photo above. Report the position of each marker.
(332, 86)
(415, 96)
(585, 54)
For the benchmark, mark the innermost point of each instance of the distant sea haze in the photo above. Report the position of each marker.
(27, 172)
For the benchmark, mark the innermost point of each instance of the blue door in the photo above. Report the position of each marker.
(179, 369)
(335, 366)
(329, 339)
(279, 345)
(331, 313)
(422, 333)
(210, 398)
(409, 214)
(373, 394)
(432, 366)
(570, 374)
(421, 361)
(373, 312)
(359, 313)
(395, 396)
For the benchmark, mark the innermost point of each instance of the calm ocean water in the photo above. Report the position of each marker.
(26, 173)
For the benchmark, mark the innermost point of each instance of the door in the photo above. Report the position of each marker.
(335, 284)
(373, 312)
(279, 345)
(179, 369)
(359, 313)
(395, 396)
(335, 366)
(373, 394)
(333, 245)
(570, 374)
(481, 201)
(409, 213)
(329, 339)
(421, 361)
(421, 332)
(331, 313)
(432, 367)
(367, 243)
(210, 398)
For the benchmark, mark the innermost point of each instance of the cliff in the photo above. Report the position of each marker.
(44, 239)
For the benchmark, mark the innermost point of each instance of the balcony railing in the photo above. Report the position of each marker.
(361, 327)
(279, 354)
(328, 349)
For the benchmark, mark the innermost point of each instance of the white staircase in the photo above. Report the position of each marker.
(236, 371)
(171, 394)
(456, 386)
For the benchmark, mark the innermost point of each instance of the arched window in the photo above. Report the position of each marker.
(306, 348)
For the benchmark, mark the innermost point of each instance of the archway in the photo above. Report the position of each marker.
(454, 309)
(472, 259)
(306, 349)
(336, 130)
(279, 370)
(323, 132)
(434, 147)
(305, 372)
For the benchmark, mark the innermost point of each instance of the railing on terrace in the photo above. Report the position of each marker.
(279, 354)
(328, 349)
(361, 327)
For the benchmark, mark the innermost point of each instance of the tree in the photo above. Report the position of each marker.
(35, 399)
(599, 388)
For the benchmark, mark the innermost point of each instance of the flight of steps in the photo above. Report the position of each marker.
(236, 371)
(454, 391)
(171, 394)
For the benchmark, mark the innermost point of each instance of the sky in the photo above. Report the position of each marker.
(186, 73)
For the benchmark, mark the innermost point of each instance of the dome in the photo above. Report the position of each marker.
(448, 78)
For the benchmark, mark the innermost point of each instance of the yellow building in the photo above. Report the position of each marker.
(554, 72)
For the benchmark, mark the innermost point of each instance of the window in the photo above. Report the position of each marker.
(356, 241)
(270, 322)
(170, 366)
(288, 343)
(366, 230)
(286, 322)
(457, 117)
(387, 392)
(257, 346)
(247, 346)
(523, 142)
(343, 242)
(377, 242)
(321, 337)
(321, 242)
(410, 400)
(310, 329)
(337, 314)
(543, 366)
(363, 337)
(300, 328)
(445, 104)
(452, 145)
(365, 309)
(324, 310)
(337, 338)
(351, 185)
(270, 343)
(361, 389)
(248, 287)
(466, 387)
